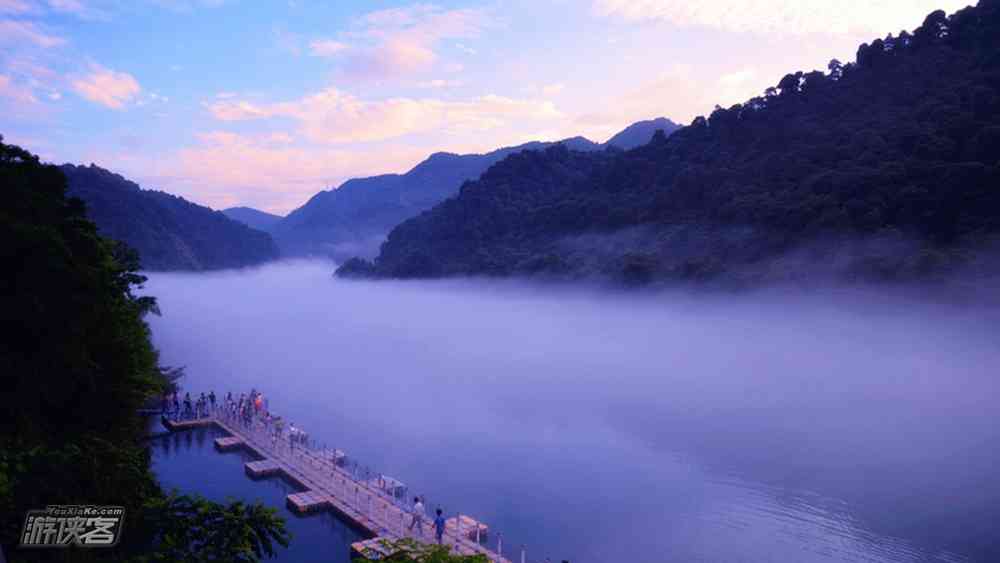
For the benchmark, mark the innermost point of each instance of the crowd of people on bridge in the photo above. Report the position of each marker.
(199, 408)
(248, 409)
(251, 411)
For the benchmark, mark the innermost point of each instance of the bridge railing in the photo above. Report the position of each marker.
(373, 492)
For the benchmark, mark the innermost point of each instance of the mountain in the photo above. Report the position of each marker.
(887, 167)
(253, 218)
(354, 218)
(169, 232)
(641, 132)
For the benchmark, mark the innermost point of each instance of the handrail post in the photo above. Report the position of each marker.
(499, 546)
(522, 553)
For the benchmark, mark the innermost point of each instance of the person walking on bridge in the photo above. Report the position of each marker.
(418, 516)
(211, 399)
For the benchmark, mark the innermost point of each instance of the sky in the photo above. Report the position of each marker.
(265, 103)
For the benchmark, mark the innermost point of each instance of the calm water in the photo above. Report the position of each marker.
(188, 462)
(589, 426)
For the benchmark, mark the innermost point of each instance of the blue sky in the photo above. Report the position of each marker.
(266, 102)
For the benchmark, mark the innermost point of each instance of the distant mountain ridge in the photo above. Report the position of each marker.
(169, 232)
(354, 218)
(885, 168)
(640, 133)
(253, 218)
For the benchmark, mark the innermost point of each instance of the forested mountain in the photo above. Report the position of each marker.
(354, 218)
(75, 372)
(169, 232)
(888, 166)
(641, 132)
(253, 218)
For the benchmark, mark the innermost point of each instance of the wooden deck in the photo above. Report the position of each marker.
(228, 443)
(327, 486)
(175, 425)
(262, 468)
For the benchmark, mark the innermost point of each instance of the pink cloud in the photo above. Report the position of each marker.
(16, 7)
(440, 83)
(72, 7)
(400, 41)
(267, 171)
(18, 33)
(107, 87)
(332, 116)
(397, 55)
(14, 92)
(326, 47)
(780, 17)
(20, 99)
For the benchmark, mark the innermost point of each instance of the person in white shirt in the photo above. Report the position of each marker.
(418, 516)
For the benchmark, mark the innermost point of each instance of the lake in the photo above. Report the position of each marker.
(187, 461)
(590, 425)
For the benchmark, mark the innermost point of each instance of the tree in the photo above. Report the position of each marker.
(789, 84)
(411, 551)
(836, 69)
(935, 27)
(191, 528)
(76, 372)
(879, 148)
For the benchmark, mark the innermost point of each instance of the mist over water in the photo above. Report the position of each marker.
(598, 426)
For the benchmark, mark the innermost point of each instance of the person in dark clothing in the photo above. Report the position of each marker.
(211, 399)
(439, 526)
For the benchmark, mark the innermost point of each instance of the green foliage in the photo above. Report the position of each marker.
(356, 215)
(81, 360)
(194, 529)
(169, 232)
(900, 144)
(355, 268)
(410, 551)
(75, 372)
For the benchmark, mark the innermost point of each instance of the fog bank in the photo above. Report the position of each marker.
(775, 425)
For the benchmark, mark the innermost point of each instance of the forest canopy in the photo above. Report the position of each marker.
(77, 366)
(893, 159)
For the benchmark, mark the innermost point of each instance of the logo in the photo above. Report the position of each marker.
(63, 526)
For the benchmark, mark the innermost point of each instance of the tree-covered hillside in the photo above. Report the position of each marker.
(355, 218)
(641, 132)
(253, 218)
(169, 232)
(77, 366)
(886, 166)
